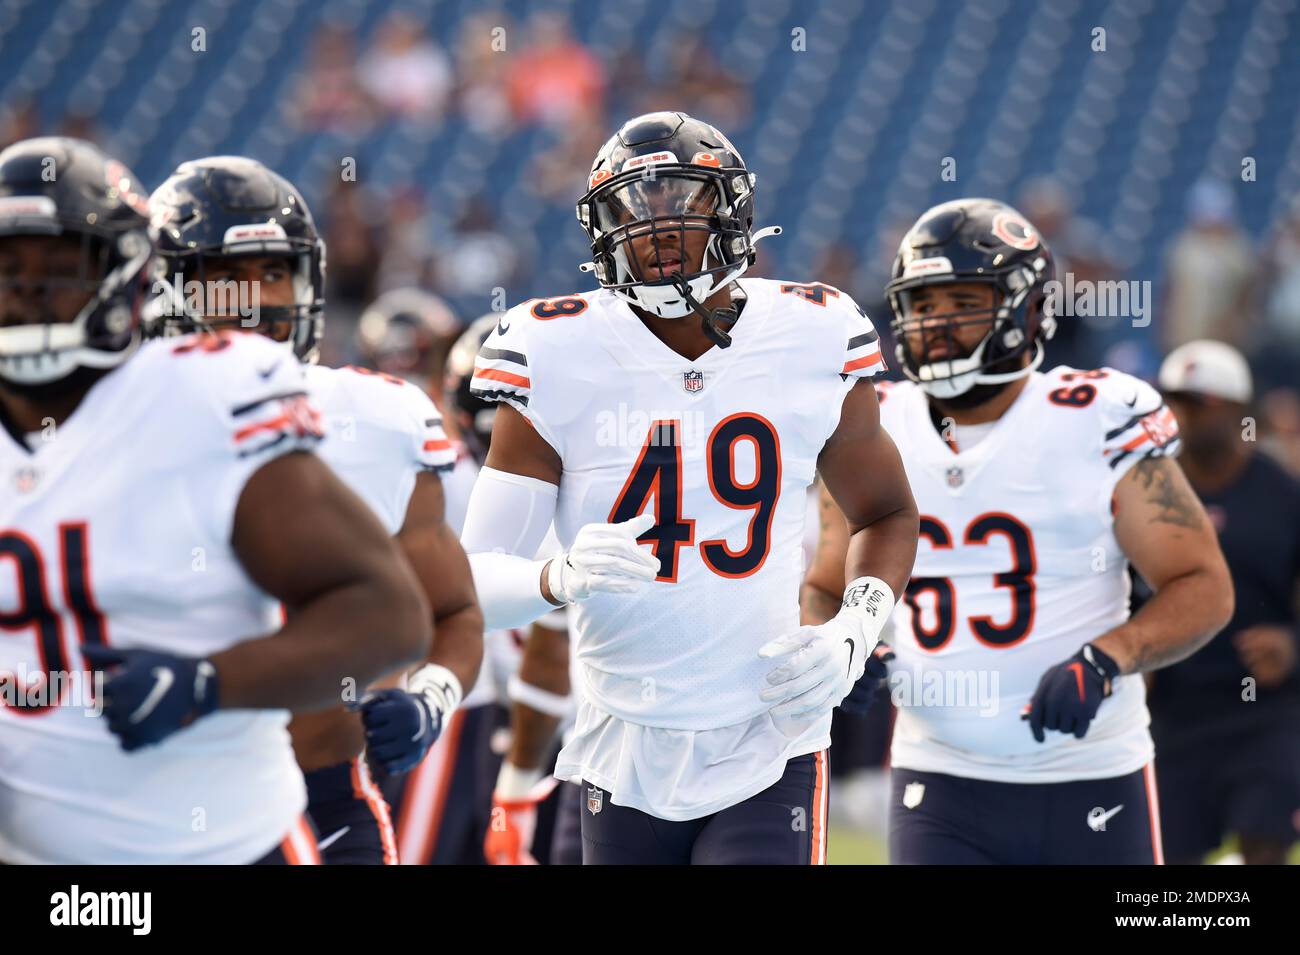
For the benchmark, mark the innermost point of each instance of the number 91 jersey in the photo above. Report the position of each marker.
(1017, 567)
(719, 449)
(115, 529)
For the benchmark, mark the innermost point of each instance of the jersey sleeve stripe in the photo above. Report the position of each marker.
(496, 394)
(509, 378)
(243, 409)
(858, 341)
(867, 361)
(503, 354)
(1116, 432)
(437, 444)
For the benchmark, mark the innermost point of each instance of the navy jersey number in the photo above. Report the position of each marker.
(658, 473)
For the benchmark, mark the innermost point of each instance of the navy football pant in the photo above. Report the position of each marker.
(935, 819)
(297, 848)
(351, 816)
(784, 824)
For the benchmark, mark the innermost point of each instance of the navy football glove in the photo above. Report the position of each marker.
(150, 694)
(1069, 693)
(401, 725)
(865, 691)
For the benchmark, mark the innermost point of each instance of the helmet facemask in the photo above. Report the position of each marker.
(647, 216)
(199, 303)
(996, 359)
(36, 357)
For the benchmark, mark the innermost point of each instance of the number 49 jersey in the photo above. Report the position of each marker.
(720, 449)
(115, 529)
(1018, 567)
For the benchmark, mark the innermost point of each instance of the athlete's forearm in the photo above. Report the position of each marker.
(544, 673)
(816, 605)
(509, 589)
(1171, 626)
(346, 637)
(885, 548)
(458, 643)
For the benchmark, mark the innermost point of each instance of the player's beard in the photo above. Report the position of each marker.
(982, 393)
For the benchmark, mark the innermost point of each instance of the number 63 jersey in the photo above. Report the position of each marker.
(1017, 567)
(721, 450)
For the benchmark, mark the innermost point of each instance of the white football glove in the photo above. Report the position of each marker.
(819, 665)
(604, 558)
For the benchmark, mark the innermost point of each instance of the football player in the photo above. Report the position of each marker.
(444, 806)
(156, 514)
(406, 332)
(670, 422)
(1021, 734)
(226, 224)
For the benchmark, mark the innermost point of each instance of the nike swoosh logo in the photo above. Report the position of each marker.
(1097, 820)
(269, 372)
(162, 682)
(502, 326)
(849, 641)
(1077, 669)
(332, 838)
(1132, 401)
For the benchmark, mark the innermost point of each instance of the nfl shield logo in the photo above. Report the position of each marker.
(913, 793)
(693, 380)
(955, 477)
(595, 800)
(26, 479)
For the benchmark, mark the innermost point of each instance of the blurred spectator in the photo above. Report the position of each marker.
(1226, 721)
(482, 67)
(18, 122)
(561, 170)
(406, 73)
(555, 78)
(696, 83)
(329, 96)
(477, 259)
(1079, 248)
(81, 125)
(1280, 427)
(406, 332)
(1210, 270)
(353, 242)
(408, 242)
(1277, 339)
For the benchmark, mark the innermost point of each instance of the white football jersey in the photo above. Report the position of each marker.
(1017, 568)
(382, 432)
(117, 527)
(722, 450)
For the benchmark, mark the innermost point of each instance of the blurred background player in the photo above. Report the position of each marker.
(157, 511)
(228, 219)
(1035, 491)
(407, 332)
(704, 712)
(1226, 720)
(443, 807)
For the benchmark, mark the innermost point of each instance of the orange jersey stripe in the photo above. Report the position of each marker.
(867, 362)
(437, 445)
(510, 379)
(261, 426)
(364, 788)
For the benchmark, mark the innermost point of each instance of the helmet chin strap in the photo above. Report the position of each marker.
(967, 375)
(682, 297)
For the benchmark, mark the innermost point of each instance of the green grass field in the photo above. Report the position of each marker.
(848, 846)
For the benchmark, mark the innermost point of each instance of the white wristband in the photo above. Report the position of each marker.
(515, 783)
(439, 686)
(543, 701)
(871, 601)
